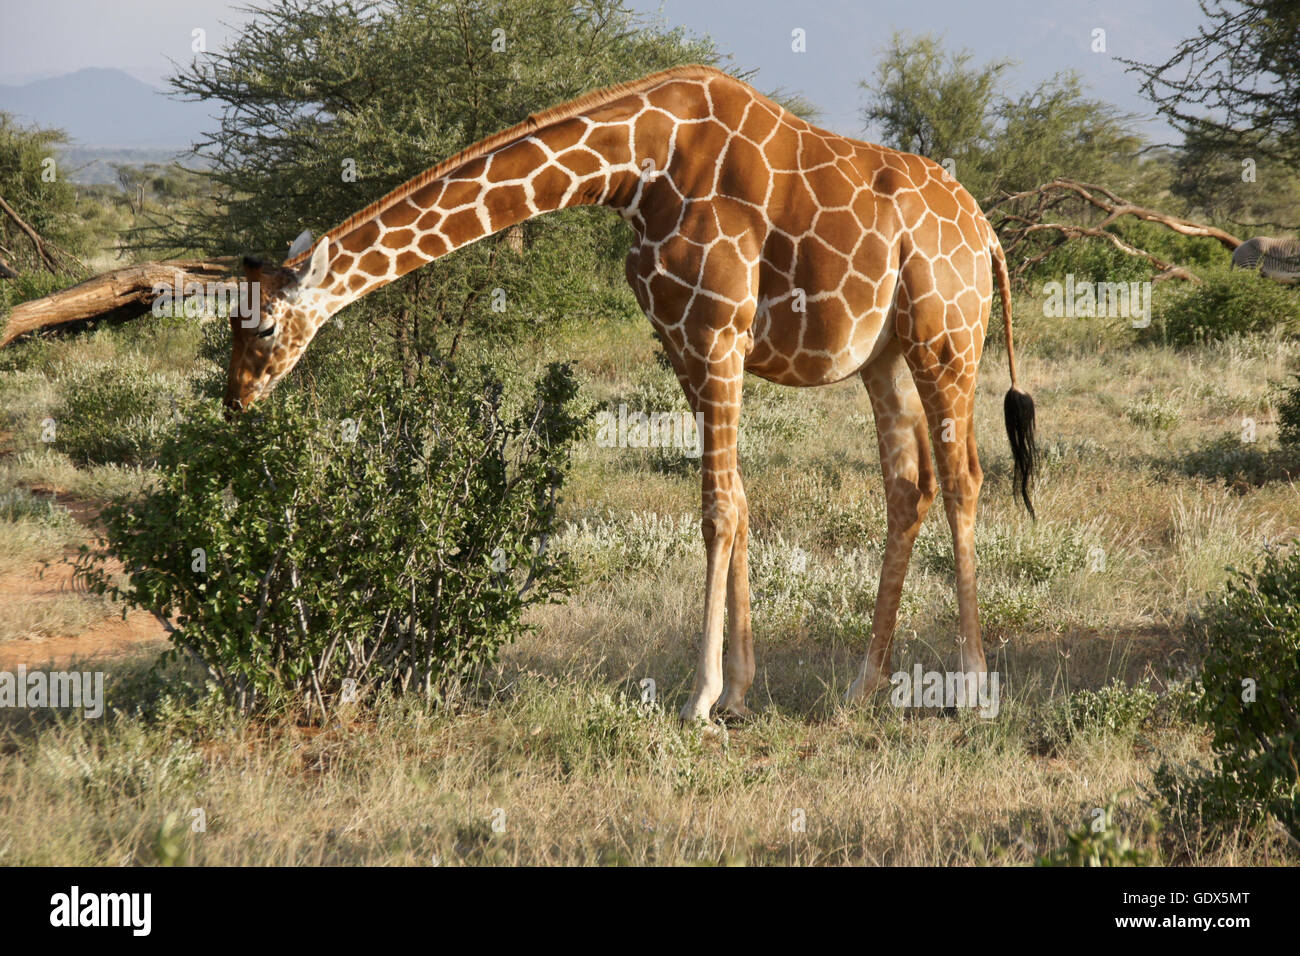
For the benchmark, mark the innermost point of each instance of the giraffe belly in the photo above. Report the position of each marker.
(814, 348)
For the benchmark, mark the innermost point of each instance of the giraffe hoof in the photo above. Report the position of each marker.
(862, 688)
(707, 728)
(737, 713)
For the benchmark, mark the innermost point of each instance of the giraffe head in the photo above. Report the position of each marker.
(273, 326)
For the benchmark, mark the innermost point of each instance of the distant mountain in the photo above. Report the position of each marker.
(94, 165)
(108, 108)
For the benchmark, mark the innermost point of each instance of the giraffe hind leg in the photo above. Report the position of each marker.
(948, 393)
(909, 491)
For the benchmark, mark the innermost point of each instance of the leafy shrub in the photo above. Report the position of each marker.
(1288, 415)
(1100, 842)
(655, 392)
(1196, 252)
(1092, 260)
(1098, 260)
(1032, 555)
(144, 762)
(794, 589)
(33, 285)
(116, 412)
(33, 527)
(1153, 412)
(1242, 465)
(613, 729)
(19, 504)
(396, 548)
(1115, 709)
(773, 421)
(617, 545)
(1012, 607)
(1229, 302)
(1250, 700)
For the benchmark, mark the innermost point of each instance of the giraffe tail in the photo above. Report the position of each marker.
(1017, 407)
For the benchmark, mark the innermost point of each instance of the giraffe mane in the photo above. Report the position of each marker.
(530, 125)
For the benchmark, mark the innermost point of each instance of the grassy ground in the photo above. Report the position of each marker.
(1148, 493)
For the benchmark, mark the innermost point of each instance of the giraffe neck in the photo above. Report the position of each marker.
(573, 162)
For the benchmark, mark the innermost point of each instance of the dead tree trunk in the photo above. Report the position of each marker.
(125, 293)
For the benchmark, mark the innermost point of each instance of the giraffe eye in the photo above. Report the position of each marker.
(267, 332)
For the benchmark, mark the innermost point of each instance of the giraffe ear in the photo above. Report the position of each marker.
(300, 245)
(313, 274)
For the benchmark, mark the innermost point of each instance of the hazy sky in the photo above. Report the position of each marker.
(844, 39)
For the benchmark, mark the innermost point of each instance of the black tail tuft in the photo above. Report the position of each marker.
(1018, 408)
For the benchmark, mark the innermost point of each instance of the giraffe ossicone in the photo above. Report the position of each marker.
(301, 244)
(761, 244)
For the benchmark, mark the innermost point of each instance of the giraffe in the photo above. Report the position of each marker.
(762, 244)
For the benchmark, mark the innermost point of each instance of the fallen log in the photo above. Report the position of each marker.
(122, 293)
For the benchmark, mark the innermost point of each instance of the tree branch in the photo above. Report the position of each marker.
(48, 252)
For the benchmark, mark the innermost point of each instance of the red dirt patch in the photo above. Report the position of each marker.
(108, 637)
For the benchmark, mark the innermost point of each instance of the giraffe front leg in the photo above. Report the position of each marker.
(739, 665)
(719, 536)
(717, 391)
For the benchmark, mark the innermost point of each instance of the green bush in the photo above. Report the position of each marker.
(1250, 700)
(1195, 252)
(1153, 412)
(301, 555)
(1032, 555)
(18, 504)
(116, 412)
(1099, 842)
(1229, 302)
(1092, 260)
(1242, 465)
(1114, 709)
(1288, 415)
(1099, 260)
(33, 285)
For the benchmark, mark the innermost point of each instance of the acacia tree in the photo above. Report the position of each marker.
(931, 102)
(39, 225)
(325, 106)
(1244, 185)
(1237, 81)
(943, 105)
(1232, 91)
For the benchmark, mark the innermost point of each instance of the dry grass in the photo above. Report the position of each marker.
(1133, 532)
(570, 771)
